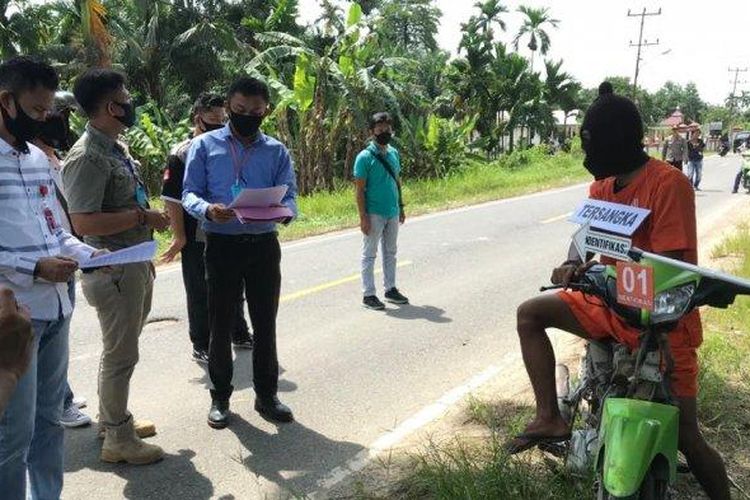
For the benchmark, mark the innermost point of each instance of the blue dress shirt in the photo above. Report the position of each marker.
(212, 168)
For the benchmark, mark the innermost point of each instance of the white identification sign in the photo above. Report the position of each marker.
(612, 217)
(586, 241)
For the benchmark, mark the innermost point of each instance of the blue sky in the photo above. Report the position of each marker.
(697, 43)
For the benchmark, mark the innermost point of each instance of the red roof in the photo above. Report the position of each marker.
(674, 120)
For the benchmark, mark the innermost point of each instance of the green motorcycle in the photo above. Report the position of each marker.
(622, 400)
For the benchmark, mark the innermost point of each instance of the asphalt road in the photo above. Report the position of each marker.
(349, 374)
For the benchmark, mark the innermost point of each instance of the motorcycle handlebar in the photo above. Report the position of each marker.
(576, 287)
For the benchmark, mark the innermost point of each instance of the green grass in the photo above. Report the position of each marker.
(480, 468)
(484, 470)
(479, 181)
(476, 183)
(163, 240)
(724, 379)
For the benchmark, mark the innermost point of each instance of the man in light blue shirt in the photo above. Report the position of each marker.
(220, 164)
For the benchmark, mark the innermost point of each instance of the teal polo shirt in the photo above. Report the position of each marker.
(381, 191)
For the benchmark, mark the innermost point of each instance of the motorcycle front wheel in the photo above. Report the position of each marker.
(652, 488)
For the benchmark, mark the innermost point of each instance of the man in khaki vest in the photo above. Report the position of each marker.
(108, 205)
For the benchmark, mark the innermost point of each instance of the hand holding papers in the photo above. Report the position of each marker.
(261, 205)
(138, 253)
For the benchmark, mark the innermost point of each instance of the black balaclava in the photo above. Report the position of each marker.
(612, 135)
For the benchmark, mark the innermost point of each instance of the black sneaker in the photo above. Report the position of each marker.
(246, 343)
(372, 302)
(394, 296)
(200, 356)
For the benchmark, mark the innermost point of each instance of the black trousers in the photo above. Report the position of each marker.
(196, 290)
(254, 260)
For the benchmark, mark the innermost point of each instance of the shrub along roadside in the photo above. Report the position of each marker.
(478, 181)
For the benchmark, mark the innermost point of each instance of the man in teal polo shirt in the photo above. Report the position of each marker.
(376, 175)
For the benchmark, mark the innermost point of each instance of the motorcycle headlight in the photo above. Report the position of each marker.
(670, 305)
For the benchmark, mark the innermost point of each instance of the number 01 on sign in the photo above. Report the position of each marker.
(635, 285)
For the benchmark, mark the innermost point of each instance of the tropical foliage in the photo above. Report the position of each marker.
(326, 77)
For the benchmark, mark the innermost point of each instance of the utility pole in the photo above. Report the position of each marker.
(736, 72)
(641, 43)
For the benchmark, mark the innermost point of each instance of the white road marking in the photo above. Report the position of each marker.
(556, 219)
(425, 416)
(171, 268)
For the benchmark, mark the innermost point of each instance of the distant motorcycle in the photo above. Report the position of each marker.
(746, 170)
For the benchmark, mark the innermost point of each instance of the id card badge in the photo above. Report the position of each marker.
(236, 190)
(140, 196)
(49, 217)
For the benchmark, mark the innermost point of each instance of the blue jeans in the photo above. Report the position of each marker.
(385, 232)
(68, 402)
(695, 172)
(31, 437)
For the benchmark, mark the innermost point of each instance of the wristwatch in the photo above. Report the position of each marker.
(141, 216)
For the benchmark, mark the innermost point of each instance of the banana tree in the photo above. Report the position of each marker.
(323, 107)
(433, 146)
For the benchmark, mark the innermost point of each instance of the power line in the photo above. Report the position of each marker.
(736, 72)
(641, 43)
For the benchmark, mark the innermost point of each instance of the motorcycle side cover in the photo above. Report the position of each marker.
(633, 433)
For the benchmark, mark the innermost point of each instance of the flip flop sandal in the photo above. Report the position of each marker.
(532, 439)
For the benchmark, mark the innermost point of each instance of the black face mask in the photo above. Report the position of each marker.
(55, 133)
(23, 127)
(208, 127)
(384, 138)
(128, 119)
(245, 125)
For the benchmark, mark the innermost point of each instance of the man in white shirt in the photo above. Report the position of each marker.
(37, 260)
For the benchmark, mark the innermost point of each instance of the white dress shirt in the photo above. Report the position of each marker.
(28, 233)
(55, 170)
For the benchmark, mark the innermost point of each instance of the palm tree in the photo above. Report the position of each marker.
(533, 26)
(95, 33)
(26, 28)
(561, 89)
(490, 14)
(516, 89)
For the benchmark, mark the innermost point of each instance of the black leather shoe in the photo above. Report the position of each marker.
(218, 415)
(274, 410)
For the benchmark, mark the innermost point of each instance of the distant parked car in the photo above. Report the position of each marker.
(740, 138)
